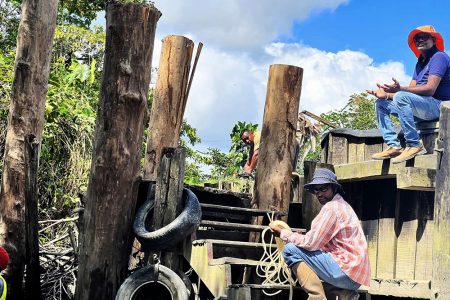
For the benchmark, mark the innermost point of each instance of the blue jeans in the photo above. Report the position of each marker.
(321, 263)
(408, 107)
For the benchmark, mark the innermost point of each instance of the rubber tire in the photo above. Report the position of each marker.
(169, 236)
(151, 274)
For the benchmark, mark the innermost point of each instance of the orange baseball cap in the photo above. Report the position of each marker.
(427, 29)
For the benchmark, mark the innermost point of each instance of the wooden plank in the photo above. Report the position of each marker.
(406, 228)
(339, 151)
(424, 237)
(352, 150)
(401, 288)
(372, 146)
(360, 150)
(240, 227)
(412, 178)
(240, 210)
(429, 141)
(379, 169)
(387, 240)
(441, 233)
(217, 277)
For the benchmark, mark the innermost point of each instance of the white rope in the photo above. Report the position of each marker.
(272, 266)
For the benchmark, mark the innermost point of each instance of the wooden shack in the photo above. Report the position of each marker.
(395, 203)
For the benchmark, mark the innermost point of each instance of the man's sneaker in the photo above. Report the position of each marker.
(390, 152)
(409, 153)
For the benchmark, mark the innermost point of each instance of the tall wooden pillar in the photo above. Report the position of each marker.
(26, 117)
(441, 236)
(169, 101)
(277, 149)
(105, 239)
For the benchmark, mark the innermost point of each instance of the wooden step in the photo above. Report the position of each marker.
(240, 227)
(380, 169)
(420, 179)
(220, 197)
(236, 249)
(239, 210)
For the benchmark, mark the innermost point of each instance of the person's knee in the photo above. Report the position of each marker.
(401, 99)
(291, 254)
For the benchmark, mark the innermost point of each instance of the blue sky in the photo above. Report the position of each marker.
(344, 47)
(378, 28)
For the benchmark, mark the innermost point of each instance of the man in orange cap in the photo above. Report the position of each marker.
(420, 101)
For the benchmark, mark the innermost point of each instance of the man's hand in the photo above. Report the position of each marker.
(277, 226)
(380, 93)
(247, 168)
(391, 88)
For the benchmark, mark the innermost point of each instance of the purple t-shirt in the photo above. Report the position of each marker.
(439, 65)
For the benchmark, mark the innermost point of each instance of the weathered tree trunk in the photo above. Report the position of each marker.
(32, 279)
(105, 239)
(277, 149)
(169, 101)
(441, 234)
(26, 116)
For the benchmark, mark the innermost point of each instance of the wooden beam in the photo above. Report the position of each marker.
(277, 150)
(401, 288)
(169, 101)
(441, 234)
(411, 178)
(168, 196)
(106, 235)
(379, 169)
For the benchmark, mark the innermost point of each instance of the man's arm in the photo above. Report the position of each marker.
(424, 90)
(250, 165)
(323, 228)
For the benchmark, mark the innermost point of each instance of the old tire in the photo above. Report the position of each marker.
(169, 236)
(153, 282)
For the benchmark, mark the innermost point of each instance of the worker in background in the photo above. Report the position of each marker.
(419, 101)
(252, 139)
(4, 260)
(333, 251)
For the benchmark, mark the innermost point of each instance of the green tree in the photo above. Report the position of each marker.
(358, 113)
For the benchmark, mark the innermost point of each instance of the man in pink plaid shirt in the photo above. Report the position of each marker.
(334, 250)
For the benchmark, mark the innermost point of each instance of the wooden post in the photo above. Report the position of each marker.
(169, 101)
(441, 235)
(26, 116)
(105, 239)
(32, 278)
(277, 150)
(168, 196)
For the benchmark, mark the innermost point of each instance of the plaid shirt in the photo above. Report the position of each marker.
(337, 230)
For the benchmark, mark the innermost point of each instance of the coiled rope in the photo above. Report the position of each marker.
(272, 266)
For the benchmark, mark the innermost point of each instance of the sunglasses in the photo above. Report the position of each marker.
(421, 37)
(321, 189)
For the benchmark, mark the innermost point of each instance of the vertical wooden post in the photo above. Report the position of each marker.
(26, 116)
(441, 235)
(169, 101)
(32, 278)
(277, 150)
(105, 239)
(168, 196)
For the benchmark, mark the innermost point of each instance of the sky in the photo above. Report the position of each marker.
(343, 46)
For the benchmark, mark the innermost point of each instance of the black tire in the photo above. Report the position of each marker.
(169, 236)
(153, 282)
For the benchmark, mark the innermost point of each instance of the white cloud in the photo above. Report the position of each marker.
(236, 24)
(231, 77)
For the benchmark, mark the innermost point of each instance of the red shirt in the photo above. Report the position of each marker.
(337, 230)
